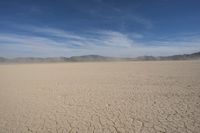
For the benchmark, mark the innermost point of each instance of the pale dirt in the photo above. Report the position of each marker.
(146, 97)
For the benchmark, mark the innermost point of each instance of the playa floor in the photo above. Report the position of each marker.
(118, 97)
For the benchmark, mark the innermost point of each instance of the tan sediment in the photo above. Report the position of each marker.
(146, 97)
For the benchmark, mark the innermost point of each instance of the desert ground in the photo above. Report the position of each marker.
(118, 97)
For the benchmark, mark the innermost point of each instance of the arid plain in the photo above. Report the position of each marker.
(135, 97)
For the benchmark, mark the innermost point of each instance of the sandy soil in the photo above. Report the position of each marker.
(146, 97)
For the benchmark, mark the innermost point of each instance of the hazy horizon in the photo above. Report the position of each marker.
(115, 28)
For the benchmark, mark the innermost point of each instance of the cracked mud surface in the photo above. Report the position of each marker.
(118, 97)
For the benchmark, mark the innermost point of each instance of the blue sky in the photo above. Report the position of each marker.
(125, 28)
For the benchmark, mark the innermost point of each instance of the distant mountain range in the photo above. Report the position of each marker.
(192, 56)
(88, 58)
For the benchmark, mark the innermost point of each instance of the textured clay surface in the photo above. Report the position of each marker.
(118, 97)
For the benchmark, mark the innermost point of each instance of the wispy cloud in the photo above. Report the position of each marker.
(55, 32)
(114, 39)
(56, 42)
(103, 38)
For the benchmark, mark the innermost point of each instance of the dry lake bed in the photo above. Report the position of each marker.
(118, 97)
